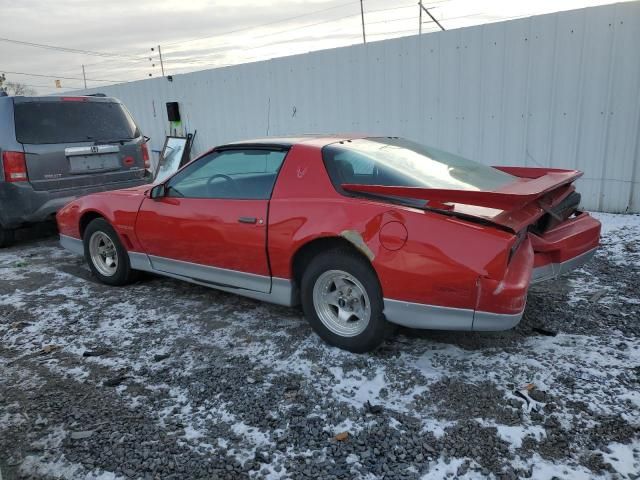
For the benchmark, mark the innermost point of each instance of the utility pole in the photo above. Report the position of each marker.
(84, 76)
(420, 18)
(162, 65)
(422, 7)
(364, 37)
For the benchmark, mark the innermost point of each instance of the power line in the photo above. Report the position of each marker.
(66, 49)
(111, 57)
(200, 61)
(65, 78)
(406, 19)
(309, 25)
(330, 21)
(132, 60)
(167, 57)
(108, 65)
(244, 29)
(43, 86)
(204, 62)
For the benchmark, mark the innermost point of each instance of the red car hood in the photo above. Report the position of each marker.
(514, 206)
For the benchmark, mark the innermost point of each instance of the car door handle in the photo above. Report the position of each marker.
(247, 220)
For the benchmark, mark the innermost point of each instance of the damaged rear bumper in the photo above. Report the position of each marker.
(554, 270)
(565, 247)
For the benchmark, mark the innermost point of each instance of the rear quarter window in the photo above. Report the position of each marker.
(71, 122)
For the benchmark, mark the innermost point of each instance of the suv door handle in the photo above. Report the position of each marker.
(247, 220)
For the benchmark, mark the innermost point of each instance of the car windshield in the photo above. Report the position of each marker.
(67, 122)
(399, 162)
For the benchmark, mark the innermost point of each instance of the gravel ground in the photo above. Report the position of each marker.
(164, 379)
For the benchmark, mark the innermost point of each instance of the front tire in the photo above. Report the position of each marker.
(342, 299)
(107, 258)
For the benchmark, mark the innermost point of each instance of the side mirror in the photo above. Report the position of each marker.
(158, 191)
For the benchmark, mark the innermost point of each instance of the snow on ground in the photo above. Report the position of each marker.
(196, 383)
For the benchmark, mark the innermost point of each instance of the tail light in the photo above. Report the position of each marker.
(145, 156)
(15, 166)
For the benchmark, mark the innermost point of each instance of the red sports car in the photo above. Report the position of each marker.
(363, 232)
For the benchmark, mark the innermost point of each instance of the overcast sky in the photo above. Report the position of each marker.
(201, 34)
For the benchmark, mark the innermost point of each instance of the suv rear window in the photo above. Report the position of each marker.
(69, 122)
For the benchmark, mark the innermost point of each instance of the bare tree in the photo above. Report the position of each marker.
(15, 88)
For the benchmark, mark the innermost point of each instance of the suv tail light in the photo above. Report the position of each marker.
(145, 156)
(15, 166)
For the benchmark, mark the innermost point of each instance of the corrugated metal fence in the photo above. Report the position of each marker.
(558, 90)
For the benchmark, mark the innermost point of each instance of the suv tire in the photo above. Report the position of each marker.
(7, 237)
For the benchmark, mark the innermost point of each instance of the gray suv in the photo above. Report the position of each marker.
(54, 149)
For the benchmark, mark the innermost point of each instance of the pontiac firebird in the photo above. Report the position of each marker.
(364, 232)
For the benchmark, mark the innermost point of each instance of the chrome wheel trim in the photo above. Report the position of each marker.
(341, 302)
(104, 255)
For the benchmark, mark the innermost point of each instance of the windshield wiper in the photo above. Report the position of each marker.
(114, 140)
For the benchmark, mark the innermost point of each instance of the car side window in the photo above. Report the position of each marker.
(234, 174)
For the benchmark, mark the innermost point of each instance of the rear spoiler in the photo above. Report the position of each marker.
(532, 184)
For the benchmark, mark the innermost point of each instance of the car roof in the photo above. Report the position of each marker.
(289, 141)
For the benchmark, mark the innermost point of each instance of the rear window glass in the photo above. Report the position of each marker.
(399, 162)
(68, 122)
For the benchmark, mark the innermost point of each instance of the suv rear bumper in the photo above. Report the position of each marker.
(20, 204)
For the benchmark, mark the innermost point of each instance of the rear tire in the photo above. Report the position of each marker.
(107, 258)
(7, 236)
(342, 300)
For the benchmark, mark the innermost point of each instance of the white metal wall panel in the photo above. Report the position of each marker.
(622, 134)
(470, 93)
(516, 74)
(559, 90)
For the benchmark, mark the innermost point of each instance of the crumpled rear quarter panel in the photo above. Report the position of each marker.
(439, 264)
